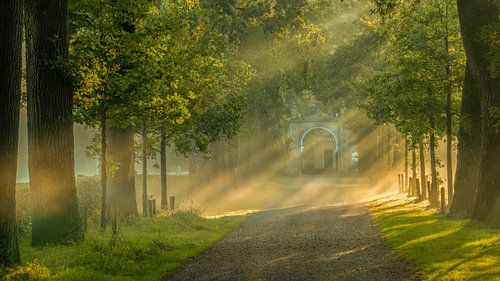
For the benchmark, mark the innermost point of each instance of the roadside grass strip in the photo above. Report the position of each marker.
(146, 249)
(441, 248)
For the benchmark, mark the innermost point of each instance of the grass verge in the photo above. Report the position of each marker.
(441, 248)
(147, 249)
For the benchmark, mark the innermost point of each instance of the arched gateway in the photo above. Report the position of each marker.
(319, 143)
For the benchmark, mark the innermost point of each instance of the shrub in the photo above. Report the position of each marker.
(23, 209)
(88, 190)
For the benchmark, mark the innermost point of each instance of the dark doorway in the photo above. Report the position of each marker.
(328, 158)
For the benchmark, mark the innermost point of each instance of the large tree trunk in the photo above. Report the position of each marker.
(469, 149)
(122, 180)
(163, 170)
(144, 169)
(10, 93)
(474, 15)
(449, 137)
(104, 170)
(50, 125)
(423, 182)
(449, 140)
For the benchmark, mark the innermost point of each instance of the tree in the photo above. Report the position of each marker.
(50, 125)
(427, 65)
(469, 150)
(477, 19)
(475, 16)
(10, 93)
(165, 76)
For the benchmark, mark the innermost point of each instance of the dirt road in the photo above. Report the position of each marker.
(301, 243)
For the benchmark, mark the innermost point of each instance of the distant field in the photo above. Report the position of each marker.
(441, 248)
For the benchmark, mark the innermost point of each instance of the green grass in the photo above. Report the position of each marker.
(441, 248)
(147, 249)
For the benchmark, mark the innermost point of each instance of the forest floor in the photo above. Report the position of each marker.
(336, 242)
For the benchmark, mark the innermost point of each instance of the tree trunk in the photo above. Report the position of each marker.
(422, 171)
(474, 15)
(122, 180)
(449, 137)
(469, 150)
(434, 196)
(163, 170)
(10, 93)
(50, 126)
(104, 171)
(144, 169)
(406, 185)
(414, 191)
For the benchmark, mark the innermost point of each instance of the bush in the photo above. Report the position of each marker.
(88, 190)
(23, 210)
(89, 198)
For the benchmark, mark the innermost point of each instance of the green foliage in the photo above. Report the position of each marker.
(491, 35)
(89, 196)
(164, 63)
(441, 248)
(23, 210)
(417, 69)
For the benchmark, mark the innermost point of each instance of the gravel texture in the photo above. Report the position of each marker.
(301, 243)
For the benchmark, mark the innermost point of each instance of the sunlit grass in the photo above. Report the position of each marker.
(147, 249)
(441, 248)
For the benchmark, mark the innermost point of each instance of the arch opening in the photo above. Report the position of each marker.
(319, 151)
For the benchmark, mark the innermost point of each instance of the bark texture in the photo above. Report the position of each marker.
(10, 92)
(405, 183)
(144, 169)
(434, 196)
(50, 125)
(474, 15)
(122, 180)
(469, 150)
(163, 170)
(104, 171)
(415, 189)
(423, 181)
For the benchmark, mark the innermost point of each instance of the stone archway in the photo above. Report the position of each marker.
(300, 127)
(319, 149)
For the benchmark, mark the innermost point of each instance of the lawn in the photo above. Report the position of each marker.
(441, 248)
(146, 250)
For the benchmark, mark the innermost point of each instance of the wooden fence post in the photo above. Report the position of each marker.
(411, 183)
(172, 203)
(399, 183)
(417, 189)
(429, 190)
(150, 208)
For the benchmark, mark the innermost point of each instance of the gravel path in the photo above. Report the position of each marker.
(303, 243)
